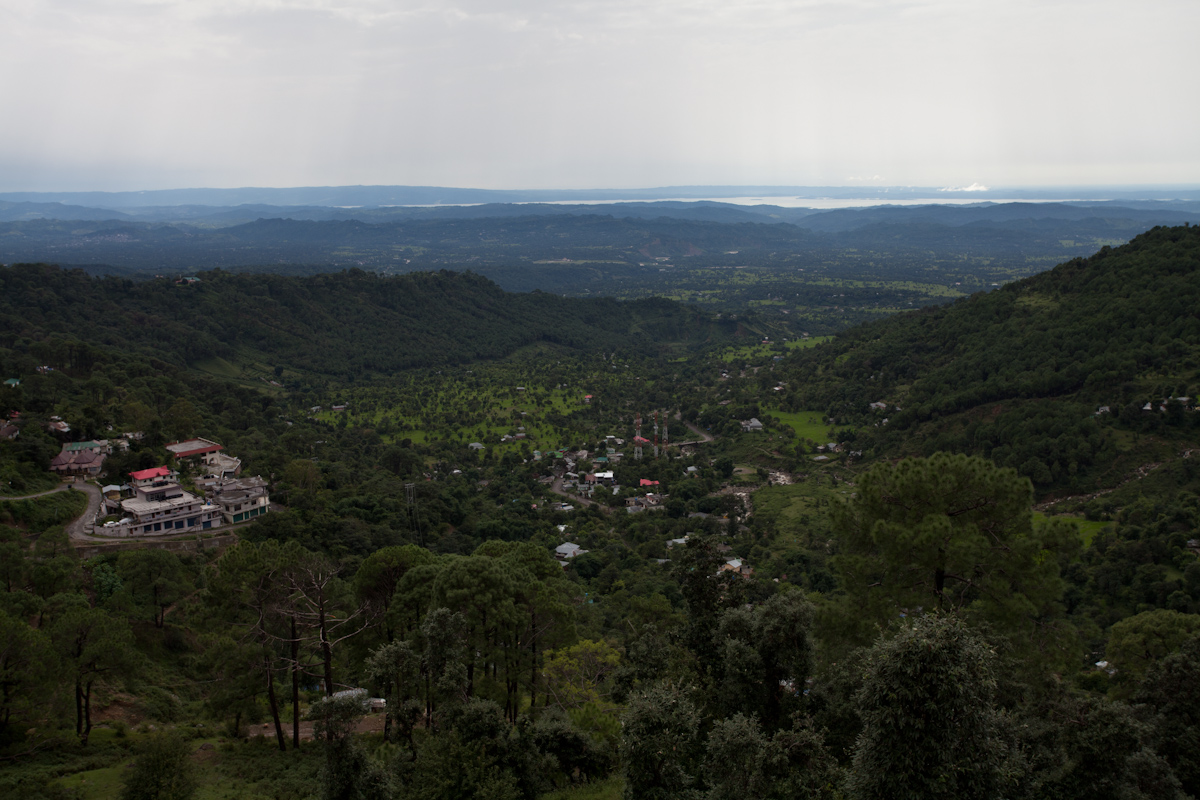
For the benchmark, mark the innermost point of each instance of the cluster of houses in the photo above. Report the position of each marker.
(86, 459)
(155, 503)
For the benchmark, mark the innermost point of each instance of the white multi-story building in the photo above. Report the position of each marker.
(240, 499)
(160, 506)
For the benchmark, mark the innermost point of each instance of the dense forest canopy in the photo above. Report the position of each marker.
(348, 323)
(1030, 375)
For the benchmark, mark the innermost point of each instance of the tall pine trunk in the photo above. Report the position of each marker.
(87, 713)
(326, 655)
(295, 687)
(274, 703)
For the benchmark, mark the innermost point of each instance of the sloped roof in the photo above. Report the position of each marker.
(153, 472)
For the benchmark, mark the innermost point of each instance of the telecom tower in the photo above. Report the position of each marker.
(410, 497)
(656, 434)
(637, 437)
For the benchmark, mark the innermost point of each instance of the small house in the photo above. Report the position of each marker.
(568, 550)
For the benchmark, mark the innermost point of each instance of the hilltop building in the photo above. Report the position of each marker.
(161, 506)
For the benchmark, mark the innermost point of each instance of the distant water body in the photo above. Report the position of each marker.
(819, 202)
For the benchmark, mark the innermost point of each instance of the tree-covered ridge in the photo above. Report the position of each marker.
(345, 323)
(1085, 325)
(1028, 363)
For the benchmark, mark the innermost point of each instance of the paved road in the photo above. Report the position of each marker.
(81, 528)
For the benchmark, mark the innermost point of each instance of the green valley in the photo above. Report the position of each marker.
(523, 545)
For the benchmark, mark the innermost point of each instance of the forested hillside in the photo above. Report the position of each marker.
(349, 323)
(1021, 374)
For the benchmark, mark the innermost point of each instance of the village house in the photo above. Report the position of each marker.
(737, 567)
(112, 496)
(568, 550)
(752, 424)
(95, 446)
(81, 458)
(77, 462)
(651, 502)
(153, 476)
(240, 499)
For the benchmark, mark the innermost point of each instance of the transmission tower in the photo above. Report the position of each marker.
(414, 519)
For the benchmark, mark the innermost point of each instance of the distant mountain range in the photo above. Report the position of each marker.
(401, 239)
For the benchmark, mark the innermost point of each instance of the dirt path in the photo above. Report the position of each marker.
(1139, 473)
(62, 488)
(704, 435)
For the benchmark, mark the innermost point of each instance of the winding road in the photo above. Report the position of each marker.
(79, 528)
(705, 436)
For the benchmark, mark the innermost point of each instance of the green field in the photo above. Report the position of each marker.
(1087, 528)
(752, 352)
(806, 424)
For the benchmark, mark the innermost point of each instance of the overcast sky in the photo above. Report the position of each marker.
(147, 94)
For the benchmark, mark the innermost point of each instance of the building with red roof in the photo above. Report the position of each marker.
(145, 476)
(193, 448)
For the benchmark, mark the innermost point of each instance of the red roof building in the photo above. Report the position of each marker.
(193, 447)
(150, 474)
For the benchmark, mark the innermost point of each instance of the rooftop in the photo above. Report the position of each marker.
(147, 474)
(193, 447)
